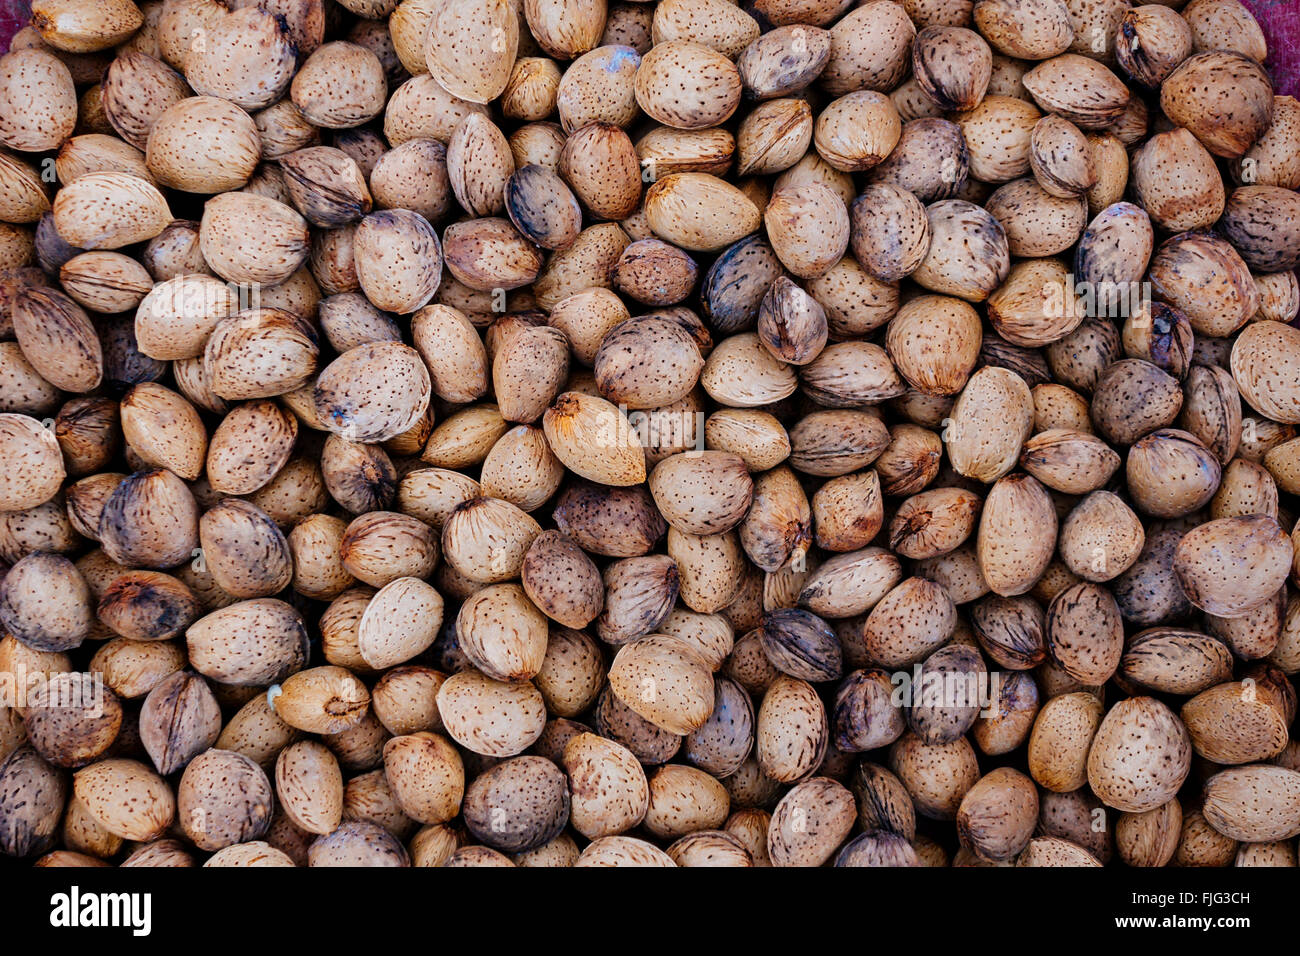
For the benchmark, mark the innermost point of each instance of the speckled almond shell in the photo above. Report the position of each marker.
(309, 786)
(260, 353)
(398, 260)
(625, 377)
(1224, 99)
(380, 546)
(934, 342)
(203, 144)
(425, 777)
(808, 227)
(870, 49)
(968, 255)
(223, 799)
(585, 265)
(610, 793)
(990, 421)
(890, 232)
(470, 47)
(1170, 473)
(250, 447)
(1259, 221)
(593, 438)
(136, 90)
(663, 680)
(487, 254)
(566, 28)
(357, 843)
(639, 594)
(246, 553)
(858, 130)
(503, 633)
(326, 186)
(421, 109)
(1140, 756)
(714, 23)
(78, 28)
(684, 800)
(58, 339)
(46, 604)
(1255, 804)
(997, 816)
(1017, 534)
(252, 239)
(792, 731)
(32, 798)
(542, 207)
(38, 103)
(1078, 89)
(774, 136)
(109, 211)
(1230, 566)
(601, 166)
(255, 642)
(24, 197)
(247, 58)
(531, 90)
(687, 85)
(821, 799)
(742, 373)
(1027, 29)
(784, 60)
(702, 492)
(105, 281)
(952, 66)
(1115, 248)
(1229, 725)
(321, 700)
(1070, 461)
(530, 792)
(1060, 158)
(1035, 222)
(489, 717)
(150, 520)
(349, 404)
(126, 798)
(164, 429)
(998, 136)
(936, 775)
(148, 606)
(1085, 634)
(180, 719)
(1261, 363)
(479, 162)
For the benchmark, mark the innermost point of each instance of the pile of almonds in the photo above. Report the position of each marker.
(560, 432)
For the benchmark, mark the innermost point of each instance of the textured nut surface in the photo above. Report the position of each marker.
(550, 433)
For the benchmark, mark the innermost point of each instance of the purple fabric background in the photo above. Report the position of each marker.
(13, 14)
(1280, 20)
